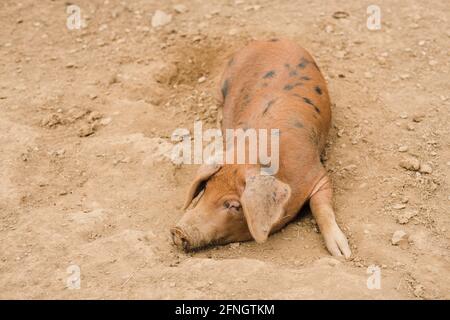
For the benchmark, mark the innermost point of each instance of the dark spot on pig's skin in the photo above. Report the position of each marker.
(225, 88)
(269, 74)
(274, 40)
(287, 65)
(268, 105)
(303, 63)
(305, 78)
(308, 101)
(293, 73)
(318, 90)
(264, 85)
(288, 87)
(298, 124)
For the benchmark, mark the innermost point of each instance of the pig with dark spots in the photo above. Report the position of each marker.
(237, 202)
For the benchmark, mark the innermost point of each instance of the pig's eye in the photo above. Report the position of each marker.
(232, 205)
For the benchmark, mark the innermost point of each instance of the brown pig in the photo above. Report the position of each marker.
(273, 85)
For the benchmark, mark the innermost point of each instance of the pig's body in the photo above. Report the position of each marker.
(277, 85)
(267, 85)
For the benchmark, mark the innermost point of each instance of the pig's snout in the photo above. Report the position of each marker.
(180, 238)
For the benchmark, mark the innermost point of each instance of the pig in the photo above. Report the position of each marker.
(267, 84)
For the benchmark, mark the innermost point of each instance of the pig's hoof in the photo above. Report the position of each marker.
(337, 243)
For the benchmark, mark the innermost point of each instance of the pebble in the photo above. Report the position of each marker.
(405, 217)
(180, 8)
(418, 117)
(405, 76)
(233, 32)
(411, 164)
(328, 261)
(85, 130)
(160, 18)
(402, 148)
(235, 245)
(105, 121)
(399, 206)
(350, 167)
(51, 120)
(201, 79)
(399, 237)
(425, 168)
(58, 153)
(94, 115)
(340, 54)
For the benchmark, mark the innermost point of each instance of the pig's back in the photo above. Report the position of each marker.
(277, 84)
(274, 80)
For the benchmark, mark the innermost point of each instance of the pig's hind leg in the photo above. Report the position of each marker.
(322, 210)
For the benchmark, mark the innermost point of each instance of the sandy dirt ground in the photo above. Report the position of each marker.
(86, 118)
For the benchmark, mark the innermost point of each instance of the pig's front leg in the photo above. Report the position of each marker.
(322, 210)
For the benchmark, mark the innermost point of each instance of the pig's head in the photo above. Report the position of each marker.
(237, 203)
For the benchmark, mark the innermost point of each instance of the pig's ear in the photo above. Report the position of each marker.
(203, 174)
(263, 202)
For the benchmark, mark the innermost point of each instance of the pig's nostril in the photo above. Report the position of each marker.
(185, 244)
